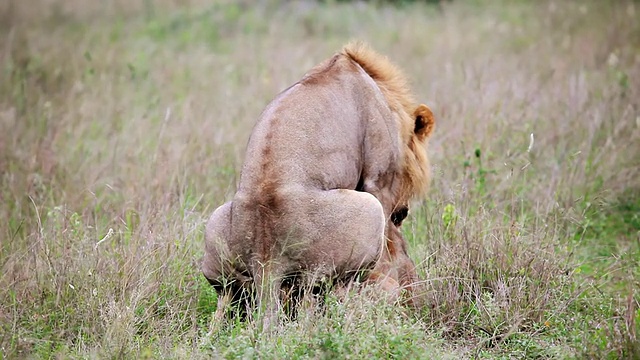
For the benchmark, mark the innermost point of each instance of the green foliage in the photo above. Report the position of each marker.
(449, 218)
(478, 175)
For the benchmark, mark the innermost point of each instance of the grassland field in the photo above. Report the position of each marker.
(123, 124)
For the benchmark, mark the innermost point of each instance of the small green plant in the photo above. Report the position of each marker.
(478, 174)
(449, 219)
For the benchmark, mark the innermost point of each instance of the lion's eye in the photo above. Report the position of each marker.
(399, 215)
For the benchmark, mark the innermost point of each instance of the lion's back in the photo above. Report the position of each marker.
(310, 134)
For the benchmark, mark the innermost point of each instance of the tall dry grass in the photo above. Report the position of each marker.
(123, 125)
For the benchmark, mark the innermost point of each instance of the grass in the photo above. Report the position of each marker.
(123, 125)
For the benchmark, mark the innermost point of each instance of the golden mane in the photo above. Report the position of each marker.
(395, 88)
(392, 82)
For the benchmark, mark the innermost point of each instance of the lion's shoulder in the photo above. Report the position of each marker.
(389, 78)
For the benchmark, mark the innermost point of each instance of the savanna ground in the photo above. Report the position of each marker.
(123, 125)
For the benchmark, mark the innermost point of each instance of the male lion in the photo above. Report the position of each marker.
(330, 167)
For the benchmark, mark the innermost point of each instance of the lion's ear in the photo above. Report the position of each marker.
(424, 121)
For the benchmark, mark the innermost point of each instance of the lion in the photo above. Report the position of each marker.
(330, 168)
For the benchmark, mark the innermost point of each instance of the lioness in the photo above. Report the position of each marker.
(330, 167)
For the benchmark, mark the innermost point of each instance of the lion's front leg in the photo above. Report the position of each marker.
(395, 272)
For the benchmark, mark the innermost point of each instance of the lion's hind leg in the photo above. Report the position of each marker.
(345, 230)
(221, 267)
